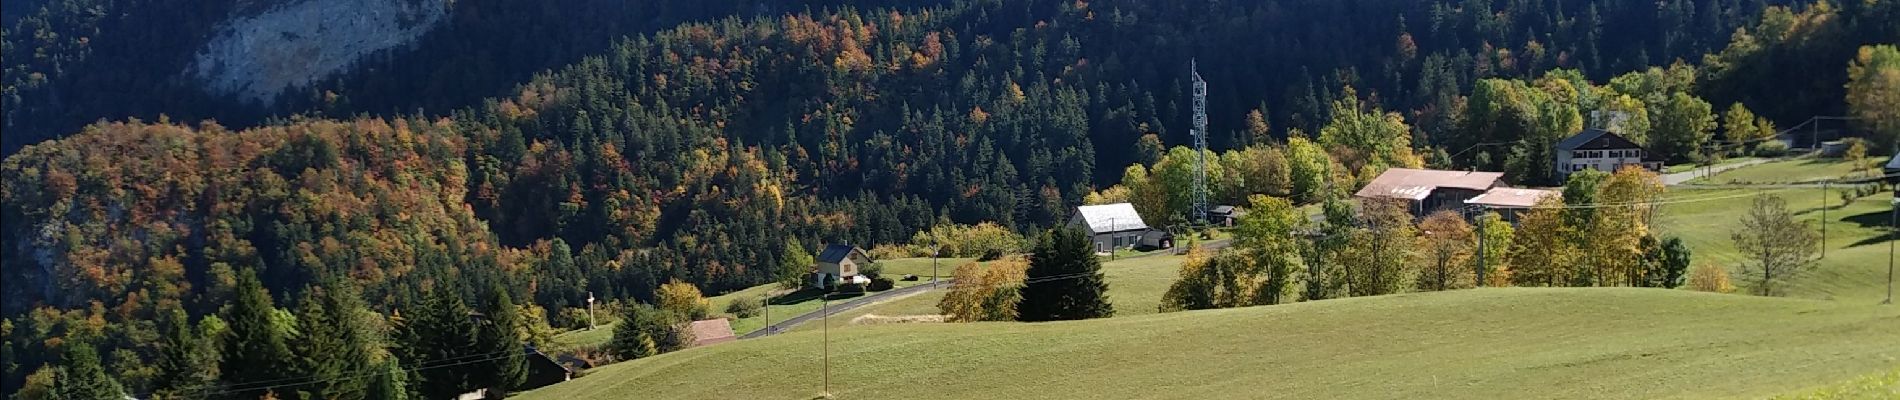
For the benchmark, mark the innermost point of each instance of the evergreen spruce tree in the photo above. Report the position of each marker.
(391, 384)
(1064, 280)
(181, 368)
(439, 342)
(83, 378)
(256, 348)
(334, 345)
(500, 339)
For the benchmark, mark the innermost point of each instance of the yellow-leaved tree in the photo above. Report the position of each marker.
(982, 292)
(682, 300)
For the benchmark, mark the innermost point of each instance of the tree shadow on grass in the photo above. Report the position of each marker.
(1877, 220)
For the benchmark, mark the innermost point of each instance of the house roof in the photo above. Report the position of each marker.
(835, 253)
(712, 331)
(1111, 217)
(1894, 163)
(1415, 184)
(1222, 210)
(1596, 139)
(1505, 197)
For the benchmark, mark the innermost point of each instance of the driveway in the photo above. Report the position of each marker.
(836, 308)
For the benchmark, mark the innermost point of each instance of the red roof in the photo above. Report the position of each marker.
(1505, 197)
(1416, 184)
(712, 331)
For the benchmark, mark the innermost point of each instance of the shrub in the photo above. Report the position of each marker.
(1710, 278)
(887, 251)
(985, 240)
(850, 288)
(746, 307)
(880, 284)
(1772, 148)
(873, 270)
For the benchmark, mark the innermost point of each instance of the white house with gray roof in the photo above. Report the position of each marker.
(1114, 226)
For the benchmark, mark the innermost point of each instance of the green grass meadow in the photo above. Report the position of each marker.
(1487, 343)
(1800, 170)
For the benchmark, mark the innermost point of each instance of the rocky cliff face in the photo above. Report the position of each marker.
(260, 56)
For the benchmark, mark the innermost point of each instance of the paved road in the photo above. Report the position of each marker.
(1684, 177)
(848, 305)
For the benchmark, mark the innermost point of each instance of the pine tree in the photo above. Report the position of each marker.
(503, 342)
(181, 368)
(83, 378)
(255, 349)
(440, 342)
(391, 384)
(1064, 281)
(333, 344)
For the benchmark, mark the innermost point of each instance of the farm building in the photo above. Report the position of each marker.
(1426, 190)
(1225, 215)
(1509, 202)
(1114, 226)
(1601, 150)
(839, 261)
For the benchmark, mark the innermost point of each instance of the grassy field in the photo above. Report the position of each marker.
(1871, 386)
(1489, 343)
(1802, 170)
(1855, 266)
(1687, 167)
(1135, 286)
(786, 306)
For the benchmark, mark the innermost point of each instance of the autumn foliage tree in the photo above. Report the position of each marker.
(1446, 249)
(984, 292)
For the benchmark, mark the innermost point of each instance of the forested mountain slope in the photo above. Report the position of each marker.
(701, 152)
(72, 62)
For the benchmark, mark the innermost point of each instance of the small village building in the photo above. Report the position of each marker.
(1428, 190)
(1601, 150)
(1112, 226)
(1892, 169)
(711, 332)
(1156, 239)
(840, 261)
(1509, 202)
(1225, 215)
(543, 370)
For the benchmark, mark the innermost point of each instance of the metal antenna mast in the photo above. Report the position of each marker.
(1200, 145)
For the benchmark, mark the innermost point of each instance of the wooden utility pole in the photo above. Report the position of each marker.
(1893, 219)
(826, 310)
(1824, 196)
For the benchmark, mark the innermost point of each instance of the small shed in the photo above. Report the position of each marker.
(711, 332)
(1110, 226)
(1225, 215)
